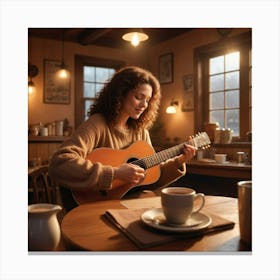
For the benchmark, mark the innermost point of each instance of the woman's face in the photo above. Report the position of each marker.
(137, 101)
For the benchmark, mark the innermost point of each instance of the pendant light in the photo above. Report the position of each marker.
(63, 72)
(135, 37)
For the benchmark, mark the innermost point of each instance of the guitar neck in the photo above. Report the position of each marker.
(159, 157)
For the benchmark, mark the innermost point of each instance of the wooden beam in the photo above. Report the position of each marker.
(91, 36)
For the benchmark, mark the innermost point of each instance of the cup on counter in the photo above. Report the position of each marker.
(245, 210)
(220, 158)
(178, 204)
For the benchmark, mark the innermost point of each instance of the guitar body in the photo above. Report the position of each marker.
(108, 156)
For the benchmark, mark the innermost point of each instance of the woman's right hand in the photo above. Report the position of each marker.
(130, 173)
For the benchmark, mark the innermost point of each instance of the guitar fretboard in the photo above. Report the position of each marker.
(201, 140)
(159, 157)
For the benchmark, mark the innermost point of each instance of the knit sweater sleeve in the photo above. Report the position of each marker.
(70, 167)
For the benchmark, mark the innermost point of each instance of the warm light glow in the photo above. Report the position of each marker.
(63, 73)
(135, 38)
(31, 88)
(171, 109)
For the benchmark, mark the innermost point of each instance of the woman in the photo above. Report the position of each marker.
(124, 111)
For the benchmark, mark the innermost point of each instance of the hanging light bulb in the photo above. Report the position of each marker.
(171, 109)
(135, 37)
(63, 72)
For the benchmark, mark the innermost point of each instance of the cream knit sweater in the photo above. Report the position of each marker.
(70, 168)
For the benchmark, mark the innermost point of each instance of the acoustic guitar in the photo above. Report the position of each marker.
(139, 153)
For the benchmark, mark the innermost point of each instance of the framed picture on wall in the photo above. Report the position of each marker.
(188, 83)
(56, 89)
(188, 96)
(166, 68)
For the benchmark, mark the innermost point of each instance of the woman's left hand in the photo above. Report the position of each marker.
(187, 154)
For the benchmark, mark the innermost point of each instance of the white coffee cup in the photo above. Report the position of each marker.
(220, 158)
(178, 204)
(245, 210)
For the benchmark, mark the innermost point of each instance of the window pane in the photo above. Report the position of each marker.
(232, 80)
(217, 100)
(89, 90)
(102, 74)
(111, 72)
(232, 99)
(232, 61)
(87, 107)
(89, 74)
(99, 87)
(217, 116)
(232, 119)
(217, 82)
(216, 65)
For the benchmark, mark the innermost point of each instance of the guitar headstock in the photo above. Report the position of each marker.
(200, 141)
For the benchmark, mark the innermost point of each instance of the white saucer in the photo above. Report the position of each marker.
(155, 219)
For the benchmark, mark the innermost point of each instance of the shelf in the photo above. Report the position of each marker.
(47, 139)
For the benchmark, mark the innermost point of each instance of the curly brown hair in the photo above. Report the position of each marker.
(111, 96)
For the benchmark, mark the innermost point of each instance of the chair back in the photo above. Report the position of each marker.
(44, 189)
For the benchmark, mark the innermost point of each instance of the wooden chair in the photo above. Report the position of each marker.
(42, 187)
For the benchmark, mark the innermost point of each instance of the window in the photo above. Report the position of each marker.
(224, 91)
(94, 79)
(90, 76)
(223, 85)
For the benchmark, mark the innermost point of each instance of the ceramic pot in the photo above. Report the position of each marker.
(43, 227)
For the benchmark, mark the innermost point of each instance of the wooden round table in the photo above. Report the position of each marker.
(86, 228)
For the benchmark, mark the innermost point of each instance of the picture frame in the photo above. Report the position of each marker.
(187, 83)
(188, 102)
(188, 95)
(166, 68)
(56, 90)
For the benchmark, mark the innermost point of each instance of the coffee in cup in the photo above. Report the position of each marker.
(245, 210)
(178, 204)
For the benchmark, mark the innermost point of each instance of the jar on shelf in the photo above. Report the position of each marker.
(210, 129)
(226, 136)
(217, 136)
(59, 128)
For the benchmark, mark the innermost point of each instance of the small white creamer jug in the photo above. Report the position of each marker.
(43, 227)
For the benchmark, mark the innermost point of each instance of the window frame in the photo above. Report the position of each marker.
(202, 55)
(80, 62)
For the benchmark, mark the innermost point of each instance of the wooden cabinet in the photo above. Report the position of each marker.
(43, 147)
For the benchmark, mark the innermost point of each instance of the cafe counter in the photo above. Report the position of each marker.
(214, 178)
(230, 169)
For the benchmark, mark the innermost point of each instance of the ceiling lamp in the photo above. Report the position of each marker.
(63, 73)
(135, 37)
(32, 72)
(171, 109)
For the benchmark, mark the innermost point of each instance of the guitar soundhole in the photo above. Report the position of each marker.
(132, 159)
(138, 162)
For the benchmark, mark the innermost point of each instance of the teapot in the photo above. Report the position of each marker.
(43, 228)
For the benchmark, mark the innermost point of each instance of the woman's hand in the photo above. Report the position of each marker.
(187, 154)
(130, 173)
